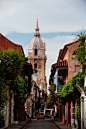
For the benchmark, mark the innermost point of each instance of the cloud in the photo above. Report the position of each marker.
(21, 15)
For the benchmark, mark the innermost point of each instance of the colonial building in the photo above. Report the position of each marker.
(63, 71)
(37, 57)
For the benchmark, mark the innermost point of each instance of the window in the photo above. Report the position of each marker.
(35, 52)
(35, 65)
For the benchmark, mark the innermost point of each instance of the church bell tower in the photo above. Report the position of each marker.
(37, 57)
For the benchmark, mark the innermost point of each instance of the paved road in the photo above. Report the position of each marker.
(41, 124)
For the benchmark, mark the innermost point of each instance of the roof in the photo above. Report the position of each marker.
(9, 40)
(7, 44)
(36, 41)
(60, 64)
(65, 49)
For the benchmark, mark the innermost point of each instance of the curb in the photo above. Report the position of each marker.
(55, 124)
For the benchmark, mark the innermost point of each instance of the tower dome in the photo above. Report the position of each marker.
(36, 43)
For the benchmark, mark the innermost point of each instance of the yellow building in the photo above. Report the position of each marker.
(37, 57)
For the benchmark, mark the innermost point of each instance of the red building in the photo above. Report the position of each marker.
(6, 44)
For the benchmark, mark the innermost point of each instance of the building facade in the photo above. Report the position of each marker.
(63, 71)
(37, 57)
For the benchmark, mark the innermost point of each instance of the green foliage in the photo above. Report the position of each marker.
(12, 64)
(78, 114)
(52, 89)
(81, 52)
(20, 87)
(69, 88)
(10, 69)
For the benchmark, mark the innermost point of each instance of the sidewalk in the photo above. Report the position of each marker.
(20, 125)
(59, 124)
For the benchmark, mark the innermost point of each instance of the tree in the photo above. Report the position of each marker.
(81, 52)
(10, 69)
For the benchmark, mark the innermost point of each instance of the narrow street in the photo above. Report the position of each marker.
(42, 64)
(41, 124)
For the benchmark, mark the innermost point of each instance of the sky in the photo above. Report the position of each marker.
(57, 20)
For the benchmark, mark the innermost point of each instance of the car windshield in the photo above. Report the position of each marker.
(40, 113)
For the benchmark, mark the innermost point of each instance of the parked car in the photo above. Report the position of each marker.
(40, 116)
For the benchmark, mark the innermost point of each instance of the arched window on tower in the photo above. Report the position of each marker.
(35, 65)
(35, 52)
